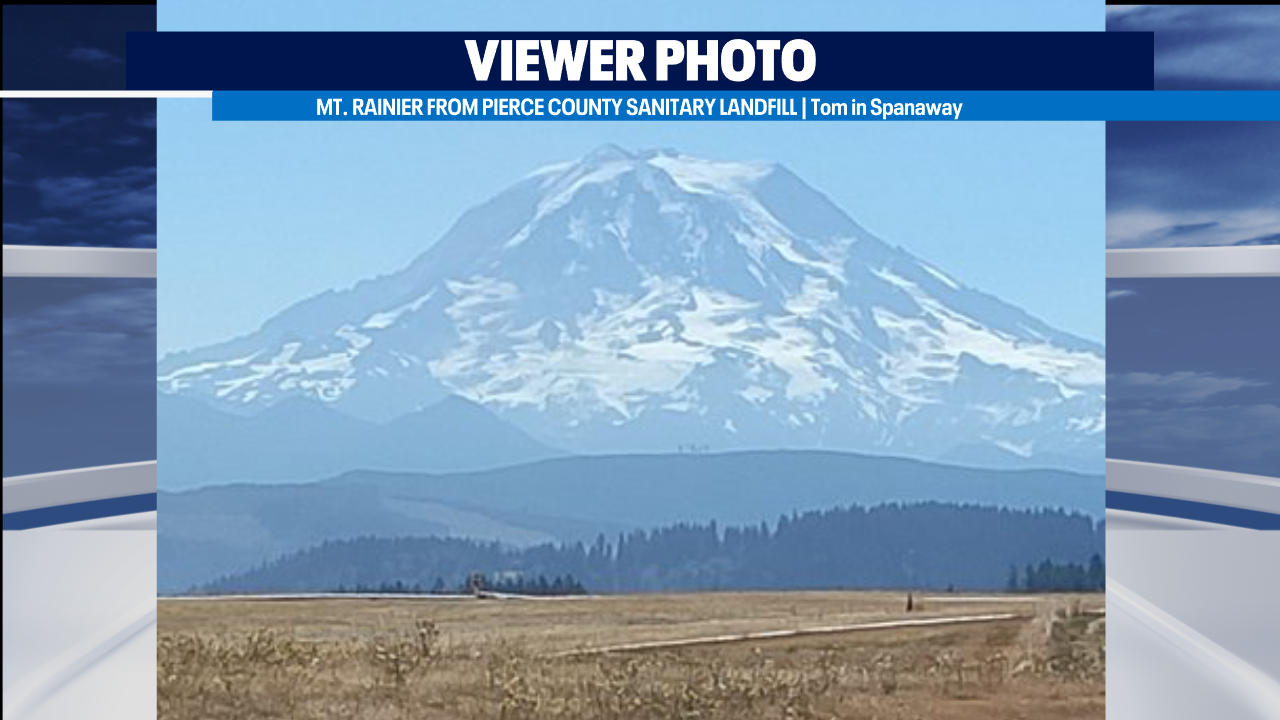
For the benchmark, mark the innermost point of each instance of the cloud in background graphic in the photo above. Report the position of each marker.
(1193, 184)
(80, 172)
(1177, 387)
(68, 332)
(1192, 373)
(1208, 47)
(93, 56)
(79, 373)
(70, 47)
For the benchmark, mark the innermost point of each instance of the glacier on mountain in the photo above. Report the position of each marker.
(640, 302)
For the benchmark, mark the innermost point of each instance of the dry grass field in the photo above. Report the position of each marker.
(434, 659)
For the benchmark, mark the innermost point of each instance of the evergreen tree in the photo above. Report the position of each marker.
(896, 546)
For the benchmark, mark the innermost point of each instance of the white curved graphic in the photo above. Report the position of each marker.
(137, 521)
(1249, 684)
(1261, 261)
(53, 262)
(1216, 487)
(68, 487)
(198, 94)
(35, 687)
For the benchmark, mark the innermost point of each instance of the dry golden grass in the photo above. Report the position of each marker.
(482, 660)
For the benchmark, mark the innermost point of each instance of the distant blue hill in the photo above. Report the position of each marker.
(218, 531)
(303, 439)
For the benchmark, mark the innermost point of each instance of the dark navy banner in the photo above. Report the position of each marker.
(783, 61)
(80, 512)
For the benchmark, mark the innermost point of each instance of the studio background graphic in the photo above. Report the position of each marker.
(582, 396)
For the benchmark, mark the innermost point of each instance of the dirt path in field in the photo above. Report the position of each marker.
(783, 634)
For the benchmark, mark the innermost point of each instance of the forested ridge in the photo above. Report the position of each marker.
(923, 545)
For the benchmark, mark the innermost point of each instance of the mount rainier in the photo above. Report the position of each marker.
(645, 302)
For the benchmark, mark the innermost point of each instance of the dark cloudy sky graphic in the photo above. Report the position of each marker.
(69, 47)
(1192, 373)
(79, 373)
(1208, 47)
(80, 172)
(1172, 184)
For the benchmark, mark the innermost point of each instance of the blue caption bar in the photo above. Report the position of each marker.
(785, 106)
(441, 61)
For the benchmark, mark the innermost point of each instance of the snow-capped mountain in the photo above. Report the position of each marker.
(648, 301)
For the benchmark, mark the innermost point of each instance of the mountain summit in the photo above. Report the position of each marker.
(651, 301)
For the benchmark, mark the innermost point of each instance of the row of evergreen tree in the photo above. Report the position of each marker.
(923, 545)
(538, 586)
(1049, 576)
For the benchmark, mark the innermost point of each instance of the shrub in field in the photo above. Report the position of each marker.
(418, 672)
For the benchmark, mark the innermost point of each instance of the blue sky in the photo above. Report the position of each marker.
(79, 368)
(1193, 183)
(1192, 376)
(80, 172)
(275, 210)
(570, 15)
(69, 47)
(1208, 47)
